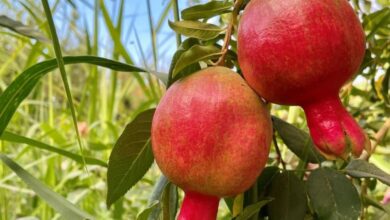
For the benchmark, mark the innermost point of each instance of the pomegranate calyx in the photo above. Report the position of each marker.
(334, 131)
(198, 206)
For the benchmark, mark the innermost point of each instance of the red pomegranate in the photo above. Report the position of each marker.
(211, 136)
(300, 52)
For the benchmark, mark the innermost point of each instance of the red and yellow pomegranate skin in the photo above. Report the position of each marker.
(211, 135)
(300, 52)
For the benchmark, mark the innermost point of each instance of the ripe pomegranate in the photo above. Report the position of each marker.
(300, 52)
(211, 136)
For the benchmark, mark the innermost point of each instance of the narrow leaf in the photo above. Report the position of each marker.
(131, 157)
(22, 29)
(372, 202)
(195, 54)
(298, 141)
(186, 45)
(289, 195)
(56, 201)
(21, 87)
(375, 21)
(11, 137)
(364, 169)
(251, 210)
(385, 87)
(207, 10)
(332, 195)
(196, 29)
(266, 177)
(156, 195)
(146, 212)
(169, 201)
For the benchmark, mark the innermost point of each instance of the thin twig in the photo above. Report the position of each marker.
(229, 32)
(378, 137)
(279, 159)
(366, 156)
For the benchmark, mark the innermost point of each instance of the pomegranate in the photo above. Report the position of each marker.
(300, 52)
(211, 135)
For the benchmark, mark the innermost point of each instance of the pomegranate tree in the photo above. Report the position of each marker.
(300, 52)
(210, 135)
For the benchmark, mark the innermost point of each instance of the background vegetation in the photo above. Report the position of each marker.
(42, 139)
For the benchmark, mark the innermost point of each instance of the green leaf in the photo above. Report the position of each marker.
(266, 177)
(11, 137)
(195, 54)
(369, 201)
(290, 201)
(251, 210)
(332, 195)
(22, 29)
(21, 87)
(157, 193)
(187, 44)
(364, 169)
(169, 201)
(196, 29)
(229, 201)
(383, 215)
(56, 201)
(144, 215)
(298, 141)
(207, 10)
(385, 87)
(376, 21)
(131, 157)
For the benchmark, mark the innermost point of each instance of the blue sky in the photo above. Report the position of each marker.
(136, 21)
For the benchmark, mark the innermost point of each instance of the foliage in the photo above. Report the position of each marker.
(37, 129)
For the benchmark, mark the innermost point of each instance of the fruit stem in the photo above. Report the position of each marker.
(333, 129)
(279, 158)
(198, 206)
(378, 137)
(229, 32)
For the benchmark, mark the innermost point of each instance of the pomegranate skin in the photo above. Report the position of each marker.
(296, 51)
(211, 133)
(300, 52)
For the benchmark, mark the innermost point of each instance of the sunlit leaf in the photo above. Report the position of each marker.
(207, 10)
(195, 54)
(376, 21)
(186, 45)
(196, 29)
